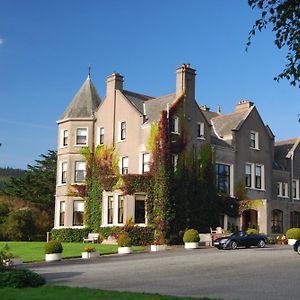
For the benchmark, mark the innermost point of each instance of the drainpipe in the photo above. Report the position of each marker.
(291, 176)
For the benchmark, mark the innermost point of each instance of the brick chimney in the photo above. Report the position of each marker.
(243, 104)
(114, 82)
(185, 81)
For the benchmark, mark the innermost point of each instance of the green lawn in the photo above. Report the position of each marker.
(63, 293)
(34, 251)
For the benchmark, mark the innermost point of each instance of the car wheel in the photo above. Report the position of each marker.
(261, 244)
(233, 245)
(298, 249)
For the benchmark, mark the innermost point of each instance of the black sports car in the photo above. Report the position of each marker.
(297, 246)
(241, 239)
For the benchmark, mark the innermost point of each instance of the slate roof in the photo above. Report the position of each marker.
(209, 115)
(219, 142)
(224, 124)
(136, 99)
(156, 105)
(282, 153)
(84, 103)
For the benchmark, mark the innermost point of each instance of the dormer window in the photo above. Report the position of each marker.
(254, 143)
(81, 136)
(175, 124)
(200, 130)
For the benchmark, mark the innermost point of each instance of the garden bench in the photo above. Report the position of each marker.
(92, 237)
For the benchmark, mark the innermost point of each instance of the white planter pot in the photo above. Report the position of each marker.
(87, 255)
(191, 245)
(124, 250)
(53, 257)
(155, 248)
(291, 241)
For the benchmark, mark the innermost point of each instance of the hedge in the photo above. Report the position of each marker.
(70, 234)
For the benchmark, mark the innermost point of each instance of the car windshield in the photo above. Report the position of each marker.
(240, 233)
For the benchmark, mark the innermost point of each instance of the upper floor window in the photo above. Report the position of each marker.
(174, 161)
(145, 162)
(248, 175)
(139, 210)
(200, 130)
(282, 189)
(78, 209)
(64, 166)
(175, 124)
(65, 136)
(81, 136)
(124, 165)
(101, 135)
(223, 178)
(79, 171)
(110, 210)
(296, 189)
(255, 176)
(254, 140)
(123, 131)
(258, 174)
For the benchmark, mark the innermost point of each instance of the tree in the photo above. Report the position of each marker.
(37, 185)
(284, 17)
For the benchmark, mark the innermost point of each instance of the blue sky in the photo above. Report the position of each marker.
(46, 46)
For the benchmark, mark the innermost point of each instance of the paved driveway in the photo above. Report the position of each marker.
(270, 273)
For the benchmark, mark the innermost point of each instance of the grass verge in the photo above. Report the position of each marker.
(34, 251)
(63, 293)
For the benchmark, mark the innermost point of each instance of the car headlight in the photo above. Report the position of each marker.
(224, 241)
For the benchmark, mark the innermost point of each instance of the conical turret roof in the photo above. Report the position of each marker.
(85, 102)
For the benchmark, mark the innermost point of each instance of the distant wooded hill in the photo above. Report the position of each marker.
(6, 173)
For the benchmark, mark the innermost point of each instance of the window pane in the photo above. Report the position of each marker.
(123, 130)
(258, 177)
(62, 213)
(65, 138)
(79, 171)
(223, 178)
(124, 165)
(139, 213)
(120, 209)
(248, 175)
(81, 136)
(110, 210)
(277, 221)
(78, 208)
(101, 138)
(145, 166)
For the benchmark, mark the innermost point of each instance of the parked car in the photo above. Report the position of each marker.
(241, 239)
(297, 246)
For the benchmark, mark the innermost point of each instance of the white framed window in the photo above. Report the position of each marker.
(62, 210)
(223, 178)
(255, 176)
(122, 131)
(64, 138)
(282, 189)
(139, 209)
(174, 124)
(120, 209)
(63, 175)
(78, 209)
(79, 171)
(295, 188)
(200, 130)
(174, 161)
(81, 136)
(101, 136)
(254, 141)
(124, 165)
(145, 163)
(110, 209)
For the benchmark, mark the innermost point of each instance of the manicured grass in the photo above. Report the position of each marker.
(34, 251)
(63, 293)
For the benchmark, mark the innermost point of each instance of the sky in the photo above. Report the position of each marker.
(46, 47)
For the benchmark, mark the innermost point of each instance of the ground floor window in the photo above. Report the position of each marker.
(139, 211)
(62, 209)
(110, 210)
(295, 219)
(277, 221)
(120, 209)
(78, 209)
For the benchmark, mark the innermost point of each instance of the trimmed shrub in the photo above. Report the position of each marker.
(191, 236)
(70, 234)
(124, 240)
(20, 278)
(252, 231)
(53, 247)
(293, 233)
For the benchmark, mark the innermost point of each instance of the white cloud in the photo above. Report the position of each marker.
(1, 41)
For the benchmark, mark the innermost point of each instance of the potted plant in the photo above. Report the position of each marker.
(124, 244)
(159, 242)
(293, 234)
(9, 259)
(89, 252)
(191, 239)
(53, 250)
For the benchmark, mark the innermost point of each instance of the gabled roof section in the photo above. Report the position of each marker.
(209, 115)
(84, 103)
(153, 107)
(224, 124)
(283, 151)
(136, 99)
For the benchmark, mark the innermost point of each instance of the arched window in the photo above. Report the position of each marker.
(277, 221)
(295, 219)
